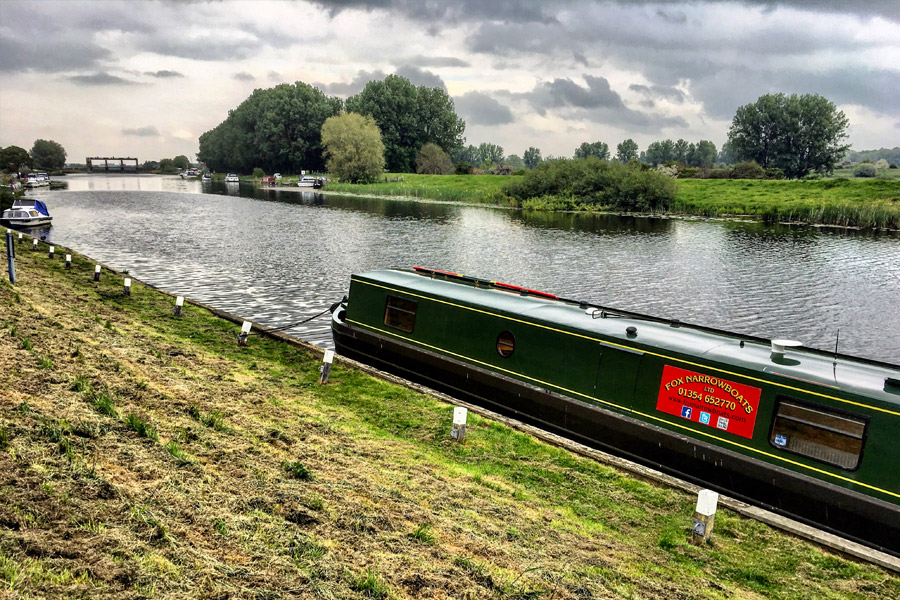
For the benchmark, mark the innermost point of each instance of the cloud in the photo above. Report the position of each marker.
(595, 102)
(274, 76)
(164, 74)
(419, 76)
(451, 12)
(354, 87)
(148, 131)
(100, 78)
(660, 92)
(18, 55)
(437, 61)
(243, 76)
(480, 109)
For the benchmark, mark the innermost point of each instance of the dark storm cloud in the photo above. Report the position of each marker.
(18, 55)
(419, 76)
(243, 76)
(208, 47)
(566, 93)
(480, 109)
(164, 74)
(148, 131)
(354, 87)
(437, 61)
(100, 78)
(659, 92)
(596, 101)
(439, 12)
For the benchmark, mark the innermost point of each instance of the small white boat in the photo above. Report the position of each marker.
(207, 176)
(232, 178)
(307, 181)
(190, 174)
(26, 212)
(37, 180)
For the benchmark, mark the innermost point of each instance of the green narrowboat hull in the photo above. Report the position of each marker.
(801, 433)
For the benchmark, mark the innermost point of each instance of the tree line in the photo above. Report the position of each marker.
(45, 155)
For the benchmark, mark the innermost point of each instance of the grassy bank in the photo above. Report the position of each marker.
(845, 202)
(144, 455)
(455, 188)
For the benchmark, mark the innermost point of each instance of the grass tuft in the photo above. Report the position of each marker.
(370, 584)
(140, 426)
(298, 471)
(424, 534)
(175, 450)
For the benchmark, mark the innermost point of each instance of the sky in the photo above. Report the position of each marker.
(145, 78)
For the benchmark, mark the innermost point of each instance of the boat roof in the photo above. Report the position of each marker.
(661, 337)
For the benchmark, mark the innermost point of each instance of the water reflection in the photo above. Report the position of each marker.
(277, 256)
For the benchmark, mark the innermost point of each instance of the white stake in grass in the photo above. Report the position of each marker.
(325, 369)
(704, 516)
(458, 431)
(245, 333)
(97, 273)
(20, 237)
(34, 244)
(179, 302)
(52, 250)
(127, 290)
(68, 261)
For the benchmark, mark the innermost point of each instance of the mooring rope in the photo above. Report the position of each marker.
(331, 308)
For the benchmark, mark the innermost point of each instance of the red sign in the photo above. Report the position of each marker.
(708, 400)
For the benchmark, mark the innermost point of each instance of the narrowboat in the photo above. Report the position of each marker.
(803, 432)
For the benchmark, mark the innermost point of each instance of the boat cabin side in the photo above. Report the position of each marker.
(741, 404)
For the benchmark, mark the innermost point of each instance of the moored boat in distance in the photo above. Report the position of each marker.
(26, 212)
(799, 431)
(310, 182)
(232, 178)
(37, 180)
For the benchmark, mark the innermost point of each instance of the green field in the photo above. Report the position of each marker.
(144, 455)
(851, 202)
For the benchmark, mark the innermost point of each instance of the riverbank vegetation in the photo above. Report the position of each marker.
(147, 455)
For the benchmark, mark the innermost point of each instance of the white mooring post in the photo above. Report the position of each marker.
(704, 516)
(20, 237)
(68, 261)
(34, 244)
(97, 273)
(325, 369)
(52, 250)
(127, 290)
(245, 333)
(458, 431)
(179, 302)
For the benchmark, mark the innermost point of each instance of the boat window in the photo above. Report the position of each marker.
(400, 313)
(506, 344)
(819, 432)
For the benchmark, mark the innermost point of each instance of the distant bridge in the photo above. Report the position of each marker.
(120, 167)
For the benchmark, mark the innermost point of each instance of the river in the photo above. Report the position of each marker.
(277, 257)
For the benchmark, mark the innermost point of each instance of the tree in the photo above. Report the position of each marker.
(353, 147)
(181, 161)
(167, 165)
(627, 151)
(702, 154)
(489, 154)
(514, 163)
(659, 152)
(797, 134)
(150, 165)
(48, 154)
(409, 117)
(532, 157)
(680, 151)
(465, 154)
(598, 149)
(277, 129)
(13, 158)
(432, 160)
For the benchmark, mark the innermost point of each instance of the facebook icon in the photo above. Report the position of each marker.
(686, 412)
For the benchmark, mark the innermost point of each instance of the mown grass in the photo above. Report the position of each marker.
(396, 508)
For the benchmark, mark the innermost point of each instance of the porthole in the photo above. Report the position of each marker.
(506, 344)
